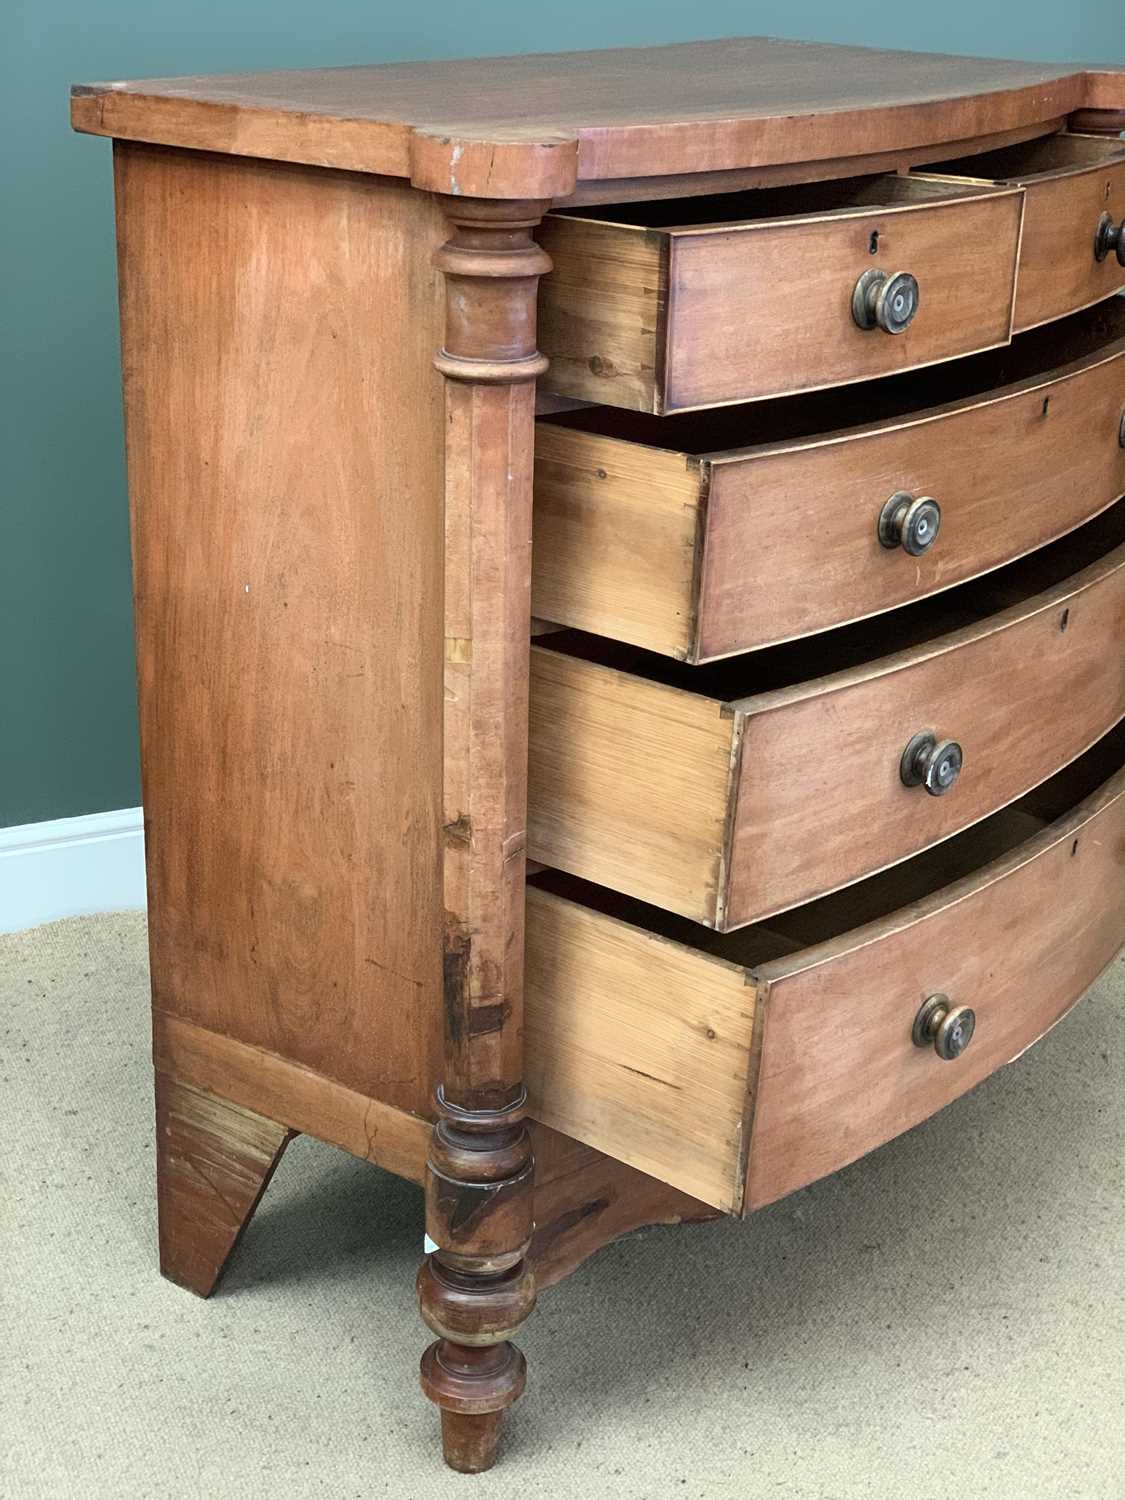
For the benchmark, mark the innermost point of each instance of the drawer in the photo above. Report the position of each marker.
(1071, 182)
(741, 1067)
(716, 532)
(730, 791)
(672, 306)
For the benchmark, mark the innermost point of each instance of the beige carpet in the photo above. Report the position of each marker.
(944, 1319)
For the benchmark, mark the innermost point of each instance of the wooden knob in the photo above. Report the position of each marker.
(910, 522)
(932, 763)
(945, 1027)
(886, 300)
(1109, 236)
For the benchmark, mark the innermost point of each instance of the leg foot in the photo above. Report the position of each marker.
(469, 1443)
(473, 1387)
(478, 1286)
(214, 1161)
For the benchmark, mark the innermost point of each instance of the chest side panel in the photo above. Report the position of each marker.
(284, 441)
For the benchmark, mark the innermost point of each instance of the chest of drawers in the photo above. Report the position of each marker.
(630, 587)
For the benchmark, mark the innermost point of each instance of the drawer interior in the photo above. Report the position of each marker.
(1049, 156)
(871, 899)
(1032, 356)
(810, 658)
(758, 205)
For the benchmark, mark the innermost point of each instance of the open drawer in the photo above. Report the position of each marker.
(690, 303)
(741, 1067)
(1073, 248)
(716, 532)
(730, 791)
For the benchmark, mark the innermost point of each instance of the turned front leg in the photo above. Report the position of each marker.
(476, 1287)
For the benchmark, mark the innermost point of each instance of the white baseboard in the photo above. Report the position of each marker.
(71, 867)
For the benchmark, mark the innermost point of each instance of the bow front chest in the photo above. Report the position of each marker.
(630, 589)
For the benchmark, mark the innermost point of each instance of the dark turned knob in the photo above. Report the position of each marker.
(885, 300)
(909, 523)
(947, 1028)
(932, 763)
(1109, 236)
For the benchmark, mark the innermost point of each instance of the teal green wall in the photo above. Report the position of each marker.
(67, 714)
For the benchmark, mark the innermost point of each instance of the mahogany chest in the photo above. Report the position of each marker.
(630, 587)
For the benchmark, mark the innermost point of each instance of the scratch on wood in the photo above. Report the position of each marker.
(406, 978)
(652, 1078)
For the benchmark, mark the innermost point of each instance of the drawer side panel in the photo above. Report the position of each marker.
(638, 1046)
(628, 783)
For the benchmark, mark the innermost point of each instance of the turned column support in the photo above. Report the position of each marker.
(476, 1287)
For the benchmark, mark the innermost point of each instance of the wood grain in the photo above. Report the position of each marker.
(1020, 943)
(757, 302)
(629, 782)
(601, 310)
(1069, 182)
(616, 530)
(700, 554)
(520, 126)
(284, 445)
(214, 1161)
(633, 1040)
(282, 1090)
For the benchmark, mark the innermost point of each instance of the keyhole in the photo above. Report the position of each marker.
(873, 242)
(1046, 404)
(1064, 620)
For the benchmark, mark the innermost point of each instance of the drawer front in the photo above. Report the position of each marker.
(820, 800)
(699, 558)
(766, 309)
(1018, 944)
(792, 542)
(1058, 270)
(728, 812)
(678, 318)
(739, 1080)
(1070, 182)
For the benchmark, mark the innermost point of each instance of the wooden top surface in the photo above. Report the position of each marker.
(534, 126)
